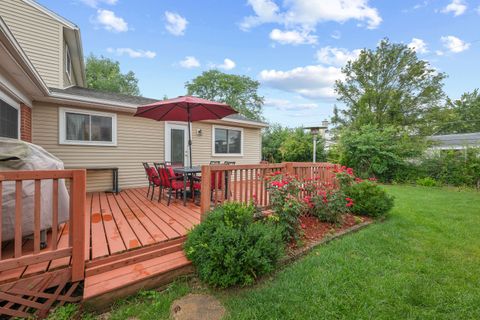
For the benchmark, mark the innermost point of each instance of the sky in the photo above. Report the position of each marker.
(294, 48)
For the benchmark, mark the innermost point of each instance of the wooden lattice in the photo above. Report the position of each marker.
(35, 296)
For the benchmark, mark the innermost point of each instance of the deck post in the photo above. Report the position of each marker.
(78, 195)
(206, 190)
(289, 168)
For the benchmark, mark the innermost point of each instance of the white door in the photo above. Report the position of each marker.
(176, 143)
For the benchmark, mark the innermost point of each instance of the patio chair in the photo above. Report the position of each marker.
(229, 163)
(170, 181)
(214, 162)
(153, 178)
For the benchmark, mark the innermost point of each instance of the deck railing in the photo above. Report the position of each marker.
(76, 180)
(245, 183)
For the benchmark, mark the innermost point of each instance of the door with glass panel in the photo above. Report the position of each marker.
(176, 143)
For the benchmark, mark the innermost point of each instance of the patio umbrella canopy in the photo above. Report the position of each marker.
(185, 108)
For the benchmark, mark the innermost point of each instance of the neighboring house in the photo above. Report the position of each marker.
(43, 100)
(456, 141)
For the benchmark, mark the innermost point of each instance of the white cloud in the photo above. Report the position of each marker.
(190, 62)
(110, 21)
(418, 45)
(314, 81)
(336, 56)
(95, 3)
(132, 53)
(265, 11)
(227, 64)
(288, 106)
(454, 44)
(292, 37)
(336, 35)
(308, 13)
(176, 24)
(457, 7)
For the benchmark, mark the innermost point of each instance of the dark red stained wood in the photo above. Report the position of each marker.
(152, 228)
(99, 241)
(18, 218)
(142, 233)
(88, 228)
(165, 227)
(1, 217)
(114, 237)
(172, 217)
(129, 238)
(36, 216)
(55, 213)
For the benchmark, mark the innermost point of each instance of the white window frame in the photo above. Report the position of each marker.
(68, 66)
(63, 129)
(15, 105)
(242, 138)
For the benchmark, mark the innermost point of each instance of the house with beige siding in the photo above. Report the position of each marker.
(44, 100)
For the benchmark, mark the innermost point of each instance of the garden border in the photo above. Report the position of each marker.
(300, 252)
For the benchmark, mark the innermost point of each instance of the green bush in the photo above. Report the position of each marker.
(230, 248)
(369, 199)
(427, 182)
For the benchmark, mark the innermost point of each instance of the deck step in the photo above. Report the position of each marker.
(129, 279)
(133, 257)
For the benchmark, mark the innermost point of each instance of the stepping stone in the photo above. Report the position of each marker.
(197, 307)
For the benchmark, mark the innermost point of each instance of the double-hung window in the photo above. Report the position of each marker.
(227, 141)
(9, 120)
(88, 127)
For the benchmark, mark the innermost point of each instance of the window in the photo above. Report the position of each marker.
(87, 127)
(68, 62)
(9, 120)
(227, 141)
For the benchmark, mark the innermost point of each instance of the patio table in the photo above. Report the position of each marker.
(187, 172)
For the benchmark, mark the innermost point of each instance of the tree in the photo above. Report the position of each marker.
(388, 86)
(464, 114)
(238, 91)
(379, 152)
(298, 146)
(104, 74)
(272, 140)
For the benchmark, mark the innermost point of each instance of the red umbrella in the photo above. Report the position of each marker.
(185, 108)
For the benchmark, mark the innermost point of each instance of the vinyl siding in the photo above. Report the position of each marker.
(138, 140)
(39, 35)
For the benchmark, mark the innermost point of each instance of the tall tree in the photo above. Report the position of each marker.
(241, 92)
(104, 74)
(388, 86)
(464, 114)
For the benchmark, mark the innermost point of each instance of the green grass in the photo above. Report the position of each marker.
(422, 262)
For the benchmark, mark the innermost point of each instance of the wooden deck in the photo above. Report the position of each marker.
(118, 223)
(129, 241)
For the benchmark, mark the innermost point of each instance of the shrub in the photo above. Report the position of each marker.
(427, 182)
(369, 199)
(284, 190)
(230, 248)
(330, 206)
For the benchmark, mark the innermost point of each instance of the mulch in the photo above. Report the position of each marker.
(313, 229)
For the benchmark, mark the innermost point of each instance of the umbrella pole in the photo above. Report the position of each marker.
(189, 137)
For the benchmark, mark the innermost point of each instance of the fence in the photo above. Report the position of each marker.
(244, 183)
(74, 249)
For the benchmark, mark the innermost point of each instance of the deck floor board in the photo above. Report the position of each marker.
(114, 224)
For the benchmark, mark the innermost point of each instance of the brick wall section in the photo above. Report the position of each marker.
(25, 123)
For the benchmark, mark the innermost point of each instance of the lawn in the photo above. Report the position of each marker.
(422, 262)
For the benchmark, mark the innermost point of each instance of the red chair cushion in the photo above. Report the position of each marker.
(197, 186)
(177, 184)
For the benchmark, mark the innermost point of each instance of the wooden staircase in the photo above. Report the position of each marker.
(126, 273)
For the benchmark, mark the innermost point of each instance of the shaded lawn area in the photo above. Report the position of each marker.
(423, 262)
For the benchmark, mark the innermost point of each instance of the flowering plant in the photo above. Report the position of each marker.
(284, 189)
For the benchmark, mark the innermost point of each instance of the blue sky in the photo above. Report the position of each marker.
(295, 48)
